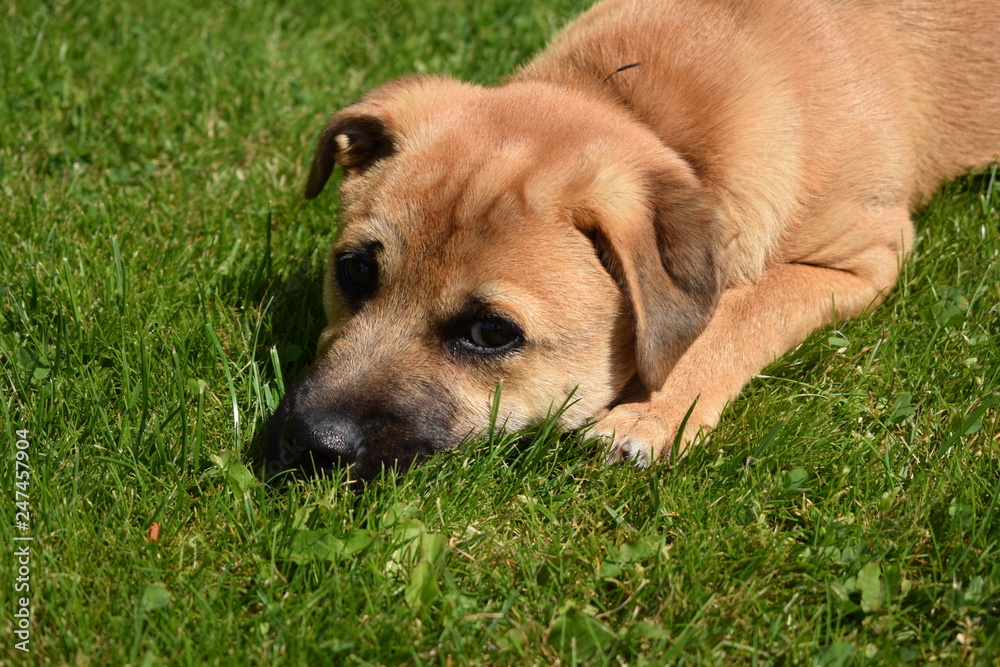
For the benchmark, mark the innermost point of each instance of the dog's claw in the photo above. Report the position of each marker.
(626, 450)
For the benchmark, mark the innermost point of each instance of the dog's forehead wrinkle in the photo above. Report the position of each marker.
(495, 138)
(438, 233)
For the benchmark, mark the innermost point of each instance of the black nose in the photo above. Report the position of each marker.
(329, 440)
(313, 444)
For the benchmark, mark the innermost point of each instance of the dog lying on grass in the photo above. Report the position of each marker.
(666, 199)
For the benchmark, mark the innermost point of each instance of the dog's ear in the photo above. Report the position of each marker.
(369, 130)
(658, 237)
(355, 139)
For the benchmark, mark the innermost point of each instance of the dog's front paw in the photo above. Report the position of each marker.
(640, 433)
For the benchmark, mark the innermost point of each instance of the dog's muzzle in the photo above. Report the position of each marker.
(318, 428)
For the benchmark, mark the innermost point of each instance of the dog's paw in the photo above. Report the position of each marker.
(641, 434)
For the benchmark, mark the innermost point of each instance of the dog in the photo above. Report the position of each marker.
(666, 199)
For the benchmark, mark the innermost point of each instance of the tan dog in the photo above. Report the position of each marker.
(647, 237)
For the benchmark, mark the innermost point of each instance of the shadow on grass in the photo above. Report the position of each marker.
(288, 303)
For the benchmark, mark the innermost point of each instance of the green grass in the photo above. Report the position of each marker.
(159, 286)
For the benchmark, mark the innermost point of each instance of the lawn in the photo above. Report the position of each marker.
(159, 290)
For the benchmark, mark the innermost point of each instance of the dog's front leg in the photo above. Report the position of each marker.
(754, 324)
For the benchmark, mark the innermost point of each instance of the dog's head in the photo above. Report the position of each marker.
(524, 235)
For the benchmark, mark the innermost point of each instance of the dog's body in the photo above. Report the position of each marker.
(644, 238)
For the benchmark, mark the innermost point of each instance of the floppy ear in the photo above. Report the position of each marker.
(658, 237)
(360, 135)
(354, 139)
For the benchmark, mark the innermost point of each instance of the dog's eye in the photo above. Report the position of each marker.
(357, 275)
(493, 335)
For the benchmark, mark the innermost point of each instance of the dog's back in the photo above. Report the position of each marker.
(783, 106)
(952, 78)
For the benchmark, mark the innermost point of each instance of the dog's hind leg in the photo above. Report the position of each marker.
(754, 324)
